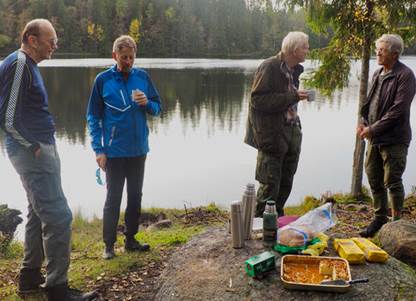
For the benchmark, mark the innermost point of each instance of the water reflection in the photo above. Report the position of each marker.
(68, 91)
(219, 92)
(197, 154)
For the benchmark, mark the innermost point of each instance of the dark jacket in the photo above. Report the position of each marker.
(270, 100)
(24, 113)
(392, 124)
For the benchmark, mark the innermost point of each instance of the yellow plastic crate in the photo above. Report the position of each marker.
(348, 250)
(372, 252)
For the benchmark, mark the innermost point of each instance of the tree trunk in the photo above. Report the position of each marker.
(357, 168)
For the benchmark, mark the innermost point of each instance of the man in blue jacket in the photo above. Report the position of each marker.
(30, 144)
(121, 98)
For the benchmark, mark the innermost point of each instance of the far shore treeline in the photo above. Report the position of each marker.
(163, 28)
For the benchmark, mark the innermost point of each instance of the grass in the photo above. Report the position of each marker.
(13, 251)
(308, 204)
(311, 202)
(87, 266)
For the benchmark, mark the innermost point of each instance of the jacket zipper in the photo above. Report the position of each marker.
(113, 130)
(122, 96)
(132, 116)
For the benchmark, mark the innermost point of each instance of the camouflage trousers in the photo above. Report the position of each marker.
(275, 172)
(384, 166)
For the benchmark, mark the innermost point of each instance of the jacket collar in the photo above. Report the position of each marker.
(118, 75)
(397, 65)
(296, 68)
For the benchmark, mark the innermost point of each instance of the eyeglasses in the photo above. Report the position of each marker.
(381, 50)
(52, 42)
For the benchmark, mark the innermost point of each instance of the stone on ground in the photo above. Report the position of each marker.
(399, 240)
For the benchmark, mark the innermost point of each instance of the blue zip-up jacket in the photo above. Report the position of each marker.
(117, 124)
(24, 113)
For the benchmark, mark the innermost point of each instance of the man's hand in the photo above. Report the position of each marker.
(365, 133)
(101, 161)
(302, 94)
(140, 98)
(360, 128)
(37, 153)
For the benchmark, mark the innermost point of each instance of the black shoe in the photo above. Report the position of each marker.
(62, 292)
(133, 245)
(374, 226)
(108, 253)
(29, 281)
(77, 295)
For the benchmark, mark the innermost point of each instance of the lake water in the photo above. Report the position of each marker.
(197, 152)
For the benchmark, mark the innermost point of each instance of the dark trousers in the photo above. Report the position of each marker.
(118, 170)
(276, 172)
(384, 166)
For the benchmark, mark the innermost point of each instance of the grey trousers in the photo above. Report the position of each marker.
(48, 228)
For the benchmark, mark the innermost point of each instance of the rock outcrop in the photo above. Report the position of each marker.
(9, 220)
(208, 268)
(399, 240)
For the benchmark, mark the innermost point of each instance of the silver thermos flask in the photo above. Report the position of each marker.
(237, 225)
(249, 207)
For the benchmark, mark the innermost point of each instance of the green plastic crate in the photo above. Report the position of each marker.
(259, 264)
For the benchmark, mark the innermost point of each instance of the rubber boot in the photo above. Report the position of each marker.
(374, 226)
(29, 281)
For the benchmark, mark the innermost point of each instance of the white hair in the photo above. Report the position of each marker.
(294, 40)
(124, 41)
(394, 42)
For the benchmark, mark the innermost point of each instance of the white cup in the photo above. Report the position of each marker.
(134, 92)
(311, 95)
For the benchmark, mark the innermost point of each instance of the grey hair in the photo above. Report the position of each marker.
(394, 42)
(34, 28)
(124, 41)
(293, 40)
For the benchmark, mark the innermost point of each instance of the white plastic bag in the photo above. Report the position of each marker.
(305, 228)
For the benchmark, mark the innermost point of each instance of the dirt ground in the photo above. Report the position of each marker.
(139, 284)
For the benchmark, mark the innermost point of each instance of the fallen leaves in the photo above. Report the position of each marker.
(137, 284)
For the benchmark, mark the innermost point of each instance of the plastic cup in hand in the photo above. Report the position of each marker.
(134, 93)
(311, 95)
